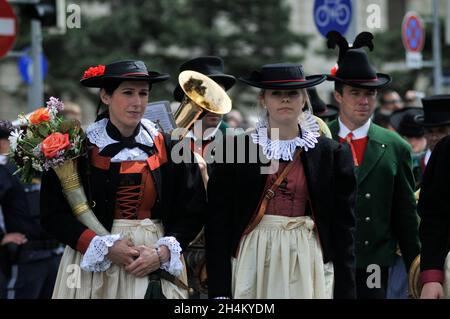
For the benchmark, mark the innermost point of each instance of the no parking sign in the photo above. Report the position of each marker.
(413, 36)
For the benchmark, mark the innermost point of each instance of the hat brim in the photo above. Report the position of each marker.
(381, 81)
(420, 119)
(396, 117)
(223, 79)
(329, 112)
(100, 81)
(309, 81)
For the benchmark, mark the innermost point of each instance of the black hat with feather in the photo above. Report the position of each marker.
(353, 67)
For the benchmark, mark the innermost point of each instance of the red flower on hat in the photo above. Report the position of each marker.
(94, 71)
(334, 70)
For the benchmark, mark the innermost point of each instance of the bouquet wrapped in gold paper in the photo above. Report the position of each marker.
(52, 142)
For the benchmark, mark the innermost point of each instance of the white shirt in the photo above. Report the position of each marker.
(360, 132)
(427, 156)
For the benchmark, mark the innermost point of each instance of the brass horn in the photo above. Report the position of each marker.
(414, 278)
(202, 94)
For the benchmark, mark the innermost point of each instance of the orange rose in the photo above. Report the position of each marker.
(40, 115)
(53, 143)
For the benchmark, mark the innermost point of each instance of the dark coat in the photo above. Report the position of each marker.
(180, 204)
(17, 201)
(385, 206)
(434, 208)
(234, 191)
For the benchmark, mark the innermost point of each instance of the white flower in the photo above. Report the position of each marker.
(36, 166)
(14, 138)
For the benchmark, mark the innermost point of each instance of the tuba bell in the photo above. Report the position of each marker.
(201, 94)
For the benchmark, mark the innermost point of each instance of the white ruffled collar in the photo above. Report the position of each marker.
(97, 135)
(285, 149)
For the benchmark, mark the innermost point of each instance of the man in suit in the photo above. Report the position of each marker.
(32, 254)
(385, 206)
(434, 210)
(435, 119)
(213, 67)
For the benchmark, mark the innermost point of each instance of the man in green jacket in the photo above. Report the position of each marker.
(385, 208)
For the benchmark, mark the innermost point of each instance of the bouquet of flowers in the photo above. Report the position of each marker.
(52, 142)
(48, 140)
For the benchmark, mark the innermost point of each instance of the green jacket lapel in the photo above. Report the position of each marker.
(334, 128)
(374, 151)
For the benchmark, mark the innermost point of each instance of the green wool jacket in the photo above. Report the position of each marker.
(385, 211)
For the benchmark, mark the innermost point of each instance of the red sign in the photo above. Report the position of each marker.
(413, 32)
(8, 28)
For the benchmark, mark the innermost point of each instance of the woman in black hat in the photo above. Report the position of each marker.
(149, 204)
(278, 231)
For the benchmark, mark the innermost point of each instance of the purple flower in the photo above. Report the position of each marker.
(49, 163)
(55, 103)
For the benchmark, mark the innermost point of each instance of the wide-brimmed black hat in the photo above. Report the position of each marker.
(5, 128)
(353, 67)
(125, 70)
(320, 108)
(282, 76)
(436, 111)
(212, 66)
(403, 122)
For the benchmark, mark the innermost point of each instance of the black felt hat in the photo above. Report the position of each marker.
(320, 108)
(353, 67)
(212, 66)
(436, 111)
(404, 123)
(5, 128)
(282, 76)
(125, 70)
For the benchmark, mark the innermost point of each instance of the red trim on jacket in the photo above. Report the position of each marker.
(432, 275)
(85, 240)
(154, 161)
(101, 162)
(160, 157)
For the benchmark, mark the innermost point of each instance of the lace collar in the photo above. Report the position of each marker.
(285, 149)
(98, 135)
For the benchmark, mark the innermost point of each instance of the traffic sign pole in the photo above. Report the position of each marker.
(36, 89)
(353, 28)
(437, 49)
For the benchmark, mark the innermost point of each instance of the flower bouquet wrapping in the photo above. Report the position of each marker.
(52, 142)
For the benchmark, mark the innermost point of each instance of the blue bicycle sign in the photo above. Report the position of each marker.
(332, 15)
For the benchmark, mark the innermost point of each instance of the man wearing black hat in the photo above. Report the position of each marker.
(213, 67)
(31, 256)
(385, 206)
(435, 120)
(434, 205)
(434, 210)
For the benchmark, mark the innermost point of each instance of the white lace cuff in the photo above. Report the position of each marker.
(95, 257)
(174, 266)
